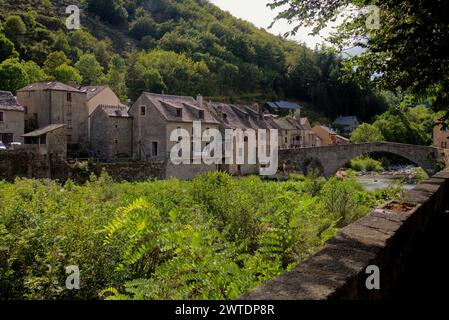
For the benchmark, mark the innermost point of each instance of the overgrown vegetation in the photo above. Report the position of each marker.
(211, 238)
(366, 163)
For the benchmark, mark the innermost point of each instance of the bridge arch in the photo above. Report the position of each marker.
(333, 158)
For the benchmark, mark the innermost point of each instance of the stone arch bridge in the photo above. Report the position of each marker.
(332, 158)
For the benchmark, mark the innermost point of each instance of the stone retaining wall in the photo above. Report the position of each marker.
(14, 163)
(386, 238)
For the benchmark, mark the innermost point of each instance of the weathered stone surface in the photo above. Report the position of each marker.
(333, 158)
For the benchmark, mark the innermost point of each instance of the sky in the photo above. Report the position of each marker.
(258, 13)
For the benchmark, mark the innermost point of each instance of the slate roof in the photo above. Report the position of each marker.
(120, 111)
(284, 123)
(348, 121)
(44, 130)
(51, 85)
(168, 105)
(8, 102)
(92, 91)
(283, 105)
(238, 116)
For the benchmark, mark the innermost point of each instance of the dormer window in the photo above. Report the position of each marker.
(179, 113)
(201, 114)
(225, 116)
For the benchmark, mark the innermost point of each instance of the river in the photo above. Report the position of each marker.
(376, 181)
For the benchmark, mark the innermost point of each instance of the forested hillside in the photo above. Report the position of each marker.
(175, 46)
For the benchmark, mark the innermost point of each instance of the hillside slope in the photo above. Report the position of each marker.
(179, 47)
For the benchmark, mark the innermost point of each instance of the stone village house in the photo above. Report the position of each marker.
(440, 137)
(155, 117)
(11, 118)
(55, 103)
(111, 129)
(232, 116)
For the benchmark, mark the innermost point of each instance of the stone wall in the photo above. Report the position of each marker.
(29, 164)
(387, 238)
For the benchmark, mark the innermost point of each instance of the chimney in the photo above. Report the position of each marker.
(297, 114)
(73, 84)
(199, 100)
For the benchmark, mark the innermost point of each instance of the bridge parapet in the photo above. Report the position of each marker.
(388, 238)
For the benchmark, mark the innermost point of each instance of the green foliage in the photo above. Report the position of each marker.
(12, 75)
(90, 69)
(54, 60)
(407, 122)
(417, 175)
(403, 50)
(65, 74)
(365, 163)
(116, 76)
(34, 72)
(367, 133)
(212, 238)
(14, 27)
(7, 49)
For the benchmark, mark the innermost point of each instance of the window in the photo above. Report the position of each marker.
(69, 124)
(2, 116)
(116, 141)
(154, 148)
(201, 114)
(6, 138)
(25, 109)
(179, 113)
(143, 111)
(286, 140)
(225, 116)
(69, 97)
(444, 145)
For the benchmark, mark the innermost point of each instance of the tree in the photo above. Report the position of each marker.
(61, 43)
(65, 74)
(366, 133)
(141, 78)
(12, 75)
(116, 76)
(7, 49)
(406, 50)
(109, 10)
(14, 26)
(90, 69)
(144, 26)
(34, 72)
(54, 60)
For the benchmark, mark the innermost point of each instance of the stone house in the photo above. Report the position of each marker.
(440, 137)
(11, 118)
(347, 124)
(290, 131)
(155, 117)
(241, 117)
(50, 140)
(98, 95)
(111, 130)
(329, 137)
(56, 103)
